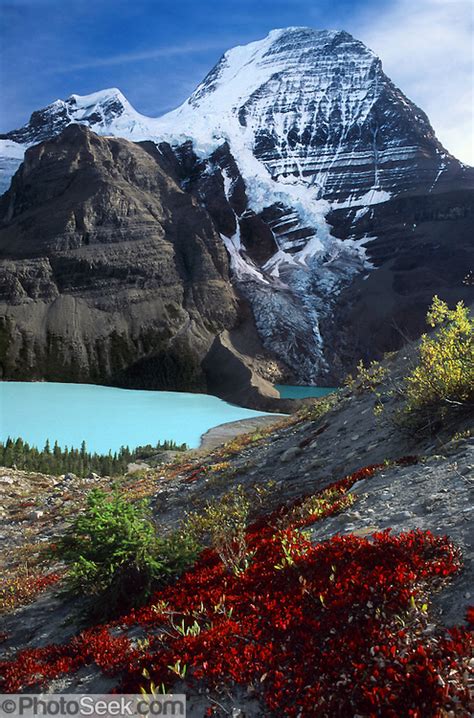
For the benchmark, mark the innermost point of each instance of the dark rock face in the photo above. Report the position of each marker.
(422, 246)
(297, 181)
(323, 112)
(110, 272)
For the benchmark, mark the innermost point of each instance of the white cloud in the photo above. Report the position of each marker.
(166, 51)
(426, 47)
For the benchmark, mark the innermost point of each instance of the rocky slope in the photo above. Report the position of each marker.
(110, 272)
(299, 458)
(331, 193)
(417, 246)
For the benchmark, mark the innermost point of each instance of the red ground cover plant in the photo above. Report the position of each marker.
(20, 590)
(334, 629)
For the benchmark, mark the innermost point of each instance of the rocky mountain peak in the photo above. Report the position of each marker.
(313, 107)
(315, 170)
(98, 110)
(243, 69)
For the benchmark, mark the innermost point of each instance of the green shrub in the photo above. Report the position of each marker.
(443, 378)
(224, 522)
(319, 407)
(367, 378)
(114, 554)
(294, 545)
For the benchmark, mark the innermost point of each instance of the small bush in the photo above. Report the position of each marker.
(443, 379)
(23, 588)
(319, 407)
(367, 378)
(224, 522)
(313, 508)
(113, 552)
(294, 545)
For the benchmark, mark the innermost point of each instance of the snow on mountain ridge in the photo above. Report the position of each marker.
(284, 70)
(311, 123)
(109, 112)
(95, 97)
(308, 104)
(236, 60)
(106, 112)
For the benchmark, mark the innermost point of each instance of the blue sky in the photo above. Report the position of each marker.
(157, 51)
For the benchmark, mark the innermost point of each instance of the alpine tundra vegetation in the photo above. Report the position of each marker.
(271, 574)
(294, 222)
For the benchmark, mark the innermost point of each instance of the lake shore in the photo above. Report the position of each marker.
(106, 418)
(218, 435)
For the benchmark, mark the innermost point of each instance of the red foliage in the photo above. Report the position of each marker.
(470, 616)
(340, 631)
(195, 475)
(20, 590)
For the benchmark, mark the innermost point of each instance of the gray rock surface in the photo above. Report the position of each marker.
(219, 435)
(111, 273)
(436, 494)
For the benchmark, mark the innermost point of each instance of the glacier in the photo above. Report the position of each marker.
(313, 125)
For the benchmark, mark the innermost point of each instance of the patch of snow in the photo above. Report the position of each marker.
(311, 249)
(97, 98)
(12, 150)
(360, 213)
(11, 157)
(273, 265)
(441, 170)
(241, 267)
(373, 196)
(228, 183)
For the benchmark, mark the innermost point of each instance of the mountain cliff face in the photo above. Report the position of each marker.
(110, 272)
(327, 187)
(314, 107)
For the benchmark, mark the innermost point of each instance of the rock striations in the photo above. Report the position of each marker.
(110, 271)
(315, 107)
(310, 105)
(340, 212)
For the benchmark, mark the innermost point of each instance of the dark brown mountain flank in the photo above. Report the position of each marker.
(111, 273)
(419, 246)
(299, 162)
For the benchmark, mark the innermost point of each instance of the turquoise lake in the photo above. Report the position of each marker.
(302, 392)
(108, 418)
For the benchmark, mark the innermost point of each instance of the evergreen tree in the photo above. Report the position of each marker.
(78, 461)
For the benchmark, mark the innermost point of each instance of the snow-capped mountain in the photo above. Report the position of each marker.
(282, 134)
(106, 112)
(314, 107)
